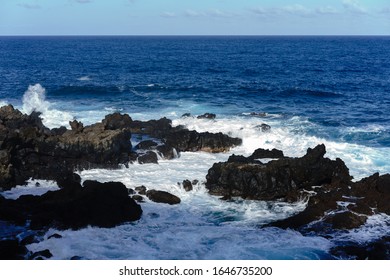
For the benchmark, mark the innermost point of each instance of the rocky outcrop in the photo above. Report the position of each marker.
(30, 150)
(95, 204)
(283, 178)
(178, 138)
(342, 206)
(262, 153)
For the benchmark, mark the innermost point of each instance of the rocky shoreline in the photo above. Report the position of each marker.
(28, 149)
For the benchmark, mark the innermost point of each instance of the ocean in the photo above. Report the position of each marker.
(310, 90)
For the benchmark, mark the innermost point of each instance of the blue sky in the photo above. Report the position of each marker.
(190, 17)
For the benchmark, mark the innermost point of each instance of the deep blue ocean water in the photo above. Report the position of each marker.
(332, 90)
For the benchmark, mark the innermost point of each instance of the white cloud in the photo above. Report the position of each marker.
(29, 6)
(260, 11)
(328, 10)
(297, 9)
(192, 13)
(168, 15)
(354, 7)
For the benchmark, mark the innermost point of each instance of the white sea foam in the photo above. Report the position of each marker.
(84, 78)
(287, 136)
(377, 226)
(33, 187)
(3, 103)
(34, 99)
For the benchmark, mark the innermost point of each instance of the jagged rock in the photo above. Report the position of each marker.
(207, 116)
(76, 126)
(345, 220)
(38, 255)
(167, 152)
(262, 153)
(146, 145)
(148, 157)
(117, 121)
(30, 150)
(186, 115)
(162, 197)
(96, 204)
(184, 140)
(187, 185)
(277, 179)
(141, 190)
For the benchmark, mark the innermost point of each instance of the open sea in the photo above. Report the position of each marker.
(313, 90)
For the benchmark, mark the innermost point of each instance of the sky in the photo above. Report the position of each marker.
(194, 17)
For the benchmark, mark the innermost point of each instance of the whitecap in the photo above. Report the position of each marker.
(34, 99)
(84, 78)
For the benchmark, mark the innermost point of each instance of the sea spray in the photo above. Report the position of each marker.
(34, 99)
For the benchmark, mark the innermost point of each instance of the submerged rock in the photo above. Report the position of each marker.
(207, 116)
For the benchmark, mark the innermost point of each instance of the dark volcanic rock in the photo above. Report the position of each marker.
(11, 249)
(162, 197)
(375, 250)
(138, 198)
(41, 254)
(185, 140)
(262, 153)
(282, 178)
(207, 116)
(148, 157)
(117, 121)
(265, 127)
(30, 150)
(146, 145)
(141, 190)
(187, 185)
(167, 152)
(96, 204)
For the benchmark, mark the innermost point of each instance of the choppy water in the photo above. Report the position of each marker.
(332, 90)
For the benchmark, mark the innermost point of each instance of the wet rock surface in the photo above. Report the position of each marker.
(334, 201)
(96, 204)
(28, 149)
(162, 197)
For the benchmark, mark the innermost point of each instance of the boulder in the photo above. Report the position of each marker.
(162, 197)
(148, 157)
(141, 190)
(187, 185)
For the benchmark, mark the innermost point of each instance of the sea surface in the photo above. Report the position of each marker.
(310, 90)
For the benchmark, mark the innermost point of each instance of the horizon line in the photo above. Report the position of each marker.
(194, 35)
